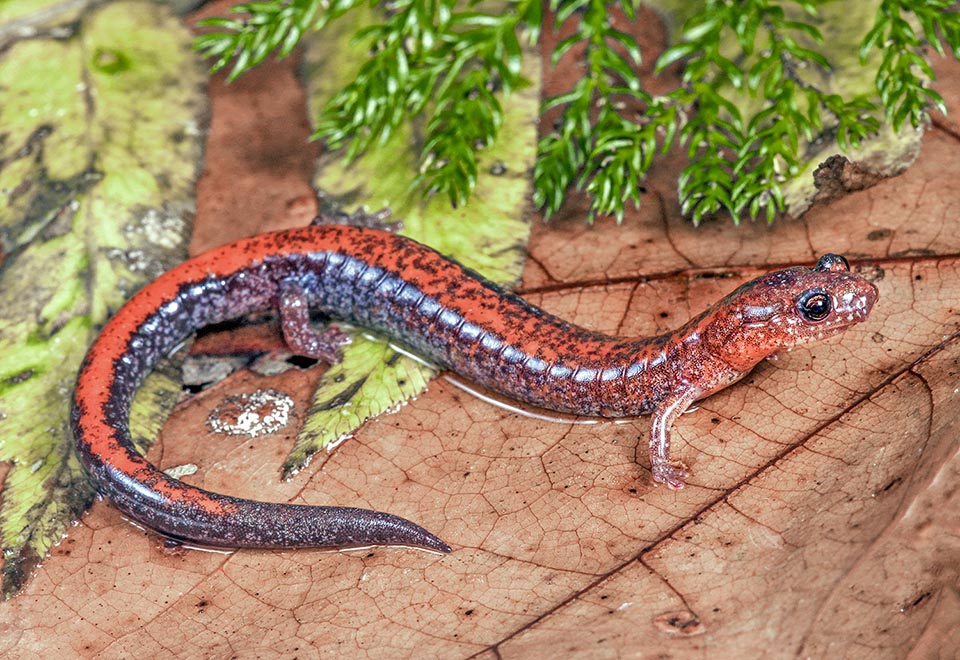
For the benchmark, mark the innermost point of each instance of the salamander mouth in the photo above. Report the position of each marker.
(853, 317)
(842, 324)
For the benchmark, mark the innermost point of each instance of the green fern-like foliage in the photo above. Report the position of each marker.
(452, 63)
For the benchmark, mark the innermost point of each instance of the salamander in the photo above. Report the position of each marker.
(444, 312)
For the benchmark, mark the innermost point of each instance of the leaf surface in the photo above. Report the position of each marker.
(97, 162)
(821, 519)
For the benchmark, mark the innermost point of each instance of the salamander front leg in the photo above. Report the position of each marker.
(664, 471)
(299, 333)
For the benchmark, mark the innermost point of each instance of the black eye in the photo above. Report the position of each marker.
(815, 305)
(834, 262)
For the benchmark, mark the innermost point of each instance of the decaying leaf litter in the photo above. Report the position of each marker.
(494, 594)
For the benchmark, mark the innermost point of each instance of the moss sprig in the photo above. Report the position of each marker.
(745, 110)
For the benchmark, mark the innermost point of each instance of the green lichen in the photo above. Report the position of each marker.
(86, 148)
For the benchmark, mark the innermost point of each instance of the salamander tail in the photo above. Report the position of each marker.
(252, 524)
(375, 528)
(293, 525)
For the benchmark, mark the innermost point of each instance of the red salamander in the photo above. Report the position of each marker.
(449, 315)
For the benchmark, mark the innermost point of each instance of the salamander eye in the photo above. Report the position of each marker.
(815, 305)
(833, 262)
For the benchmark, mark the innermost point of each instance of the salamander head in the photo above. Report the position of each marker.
(787, 308)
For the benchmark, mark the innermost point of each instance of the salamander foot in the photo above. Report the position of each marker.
(298, 331)
(673, 477)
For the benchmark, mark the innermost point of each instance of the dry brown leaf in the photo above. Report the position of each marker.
(821, 519)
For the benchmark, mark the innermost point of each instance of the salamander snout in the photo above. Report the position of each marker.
(830, 298)
(853, 295)
(858, 299)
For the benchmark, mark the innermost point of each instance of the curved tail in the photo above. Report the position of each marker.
(221, 284)
(190, 514)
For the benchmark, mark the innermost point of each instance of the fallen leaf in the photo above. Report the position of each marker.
(98, 157)
(821, 519)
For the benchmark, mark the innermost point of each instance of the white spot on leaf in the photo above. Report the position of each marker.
(252, 415)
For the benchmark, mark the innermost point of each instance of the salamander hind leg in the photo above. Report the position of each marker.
(298, 331)
(664, 470)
